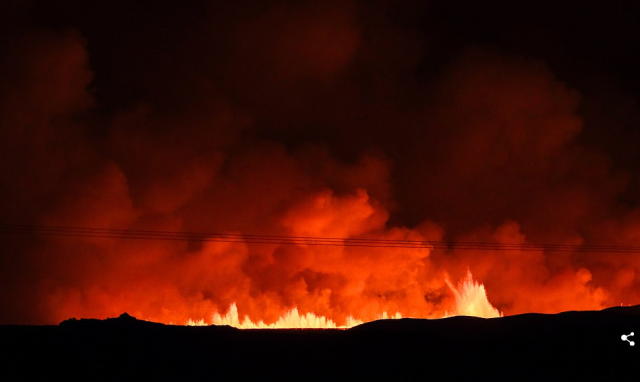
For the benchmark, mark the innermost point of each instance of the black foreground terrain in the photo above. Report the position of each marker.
(566, 347)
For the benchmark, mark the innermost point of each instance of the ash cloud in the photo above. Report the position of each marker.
(333, 119)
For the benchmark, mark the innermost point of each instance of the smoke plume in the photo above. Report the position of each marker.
(331, 119)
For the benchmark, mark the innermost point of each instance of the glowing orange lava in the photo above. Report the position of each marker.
(292, 319)
(471, 300)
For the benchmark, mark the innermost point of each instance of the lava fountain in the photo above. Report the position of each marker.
(471, 300)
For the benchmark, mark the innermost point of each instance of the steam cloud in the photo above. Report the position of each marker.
(314, 119)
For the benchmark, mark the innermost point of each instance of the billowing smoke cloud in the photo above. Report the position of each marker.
(319, 119)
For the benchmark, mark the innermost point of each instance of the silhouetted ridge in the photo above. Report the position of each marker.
(126, 317)
(123, 321)
(634, 309)
(576, 345)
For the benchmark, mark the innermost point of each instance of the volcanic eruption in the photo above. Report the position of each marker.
(310, 164)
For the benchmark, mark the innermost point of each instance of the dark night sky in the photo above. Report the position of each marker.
(493, 121)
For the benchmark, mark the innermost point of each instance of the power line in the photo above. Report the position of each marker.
(89, 232)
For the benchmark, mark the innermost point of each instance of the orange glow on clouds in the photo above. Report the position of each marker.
(324, 119)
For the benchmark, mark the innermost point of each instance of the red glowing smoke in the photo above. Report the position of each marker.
(294, 121)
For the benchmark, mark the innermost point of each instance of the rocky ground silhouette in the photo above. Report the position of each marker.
(564, 346)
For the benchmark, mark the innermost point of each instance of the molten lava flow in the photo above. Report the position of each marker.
(290, 320)
(471, 300)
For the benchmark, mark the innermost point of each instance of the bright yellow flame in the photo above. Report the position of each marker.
(471, 300)
(290, 320)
